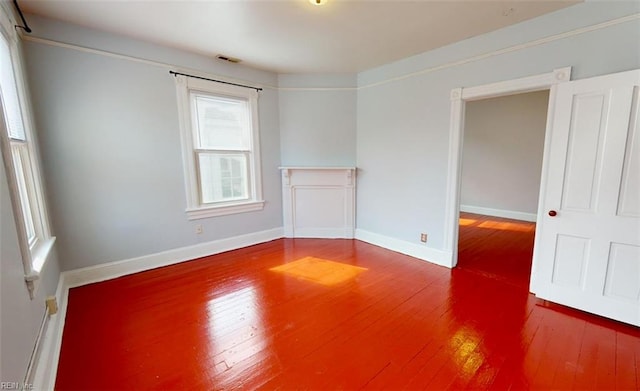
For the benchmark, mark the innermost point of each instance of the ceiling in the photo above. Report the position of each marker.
(294, 36)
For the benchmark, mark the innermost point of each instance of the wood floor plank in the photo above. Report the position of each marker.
(627, 349)
(230, 322)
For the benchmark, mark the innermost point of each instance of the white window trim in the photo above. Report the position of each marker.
(34, 257)
(195, 210)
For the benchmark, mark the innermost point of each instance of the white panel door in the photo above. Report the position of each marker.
(588, 246)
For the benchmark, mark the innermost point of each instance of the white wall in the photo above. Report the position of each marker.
(111, 146)
(404, 107)
(20, 317)
(502, 153)
(317, 120)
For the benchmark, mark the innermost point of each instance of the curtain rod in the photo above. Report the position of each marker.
(217, 81)
(24, 22)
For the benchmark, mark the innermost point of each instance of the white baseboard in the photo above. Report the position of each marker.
(37, 350)
(439, 257)
(47, 366)
(508, 214)
(108, 271)
(323, 233)
(46, 370)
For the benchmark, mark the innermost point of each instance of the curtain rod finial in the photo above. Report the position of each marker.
(24, 22)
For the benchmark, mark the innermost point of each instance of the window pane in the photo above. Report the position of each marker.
(223, 177)
(19, 152)
(9, 92)
(222, 124)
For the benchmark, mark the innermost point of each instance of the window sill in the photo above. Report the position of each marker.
(223, 210)
(39, 257)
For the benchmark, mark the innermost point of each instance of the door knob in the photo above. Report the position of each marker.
(552, 213)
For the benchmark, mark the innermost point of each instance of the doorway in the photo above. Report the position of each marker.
(503, 146)
(459, 98)
(586, 243)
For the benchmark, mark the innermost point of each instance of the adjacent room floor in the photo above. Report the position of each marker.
(497, 248)
(333, 314)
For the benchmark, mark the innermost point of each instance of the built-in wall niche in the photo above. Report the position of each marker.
(319, 202)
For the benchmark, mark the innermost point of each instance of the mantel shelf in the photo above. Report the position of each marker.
(315, 168)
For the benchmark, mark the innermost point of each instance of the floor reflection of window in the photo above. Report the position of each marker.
(466, 346)
(235, 328)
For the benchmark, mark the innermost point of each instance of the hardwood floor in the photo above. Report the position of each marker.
(238, 321)
(496, 247)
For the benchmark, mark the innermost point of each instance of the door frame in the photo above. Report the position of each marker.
(459, 97)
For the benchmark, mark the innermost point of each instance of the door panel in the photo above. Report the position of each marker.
(584, 155)
(629, 201)
(570, 260)
(623, 273)
(588, 255)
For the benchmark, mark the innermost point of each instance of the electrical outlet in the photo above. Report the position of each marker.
(423, 238)
(199, 229)
(52, 305)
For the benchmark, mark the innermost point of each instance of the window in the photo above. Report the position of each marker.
(219, 126)
(19, 153)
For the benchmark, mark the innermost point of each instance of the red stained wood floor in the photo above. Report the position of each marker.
(230, 322)
(496, 247)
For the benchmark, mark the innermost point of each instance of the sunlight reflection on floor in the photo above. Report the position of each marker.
(465, 222)
(507, 226)
(319, 270)
(499, 225)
